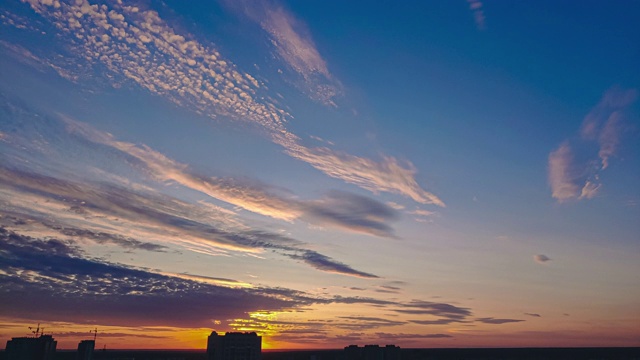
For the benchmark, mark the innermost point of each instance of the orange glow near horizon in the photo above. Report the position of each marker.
(68, 336)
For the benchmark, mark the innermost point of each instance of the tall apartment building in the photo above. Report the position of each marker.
(85, 349)
(234, 346)
(42, 347)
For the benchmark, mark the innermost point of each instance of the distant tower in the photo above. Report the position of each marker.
(234, 346)
(38, 347)
(86, 347)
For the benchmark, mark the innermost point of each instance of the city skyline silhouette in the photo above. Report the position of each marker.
(423, 174)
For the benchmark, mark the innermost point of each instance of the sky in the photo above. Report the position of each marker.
(324, 173)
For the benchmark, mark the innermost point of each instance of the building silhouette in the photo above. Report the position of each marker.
(372, 352)
(42, 347)
(85, 349)
(234, 346)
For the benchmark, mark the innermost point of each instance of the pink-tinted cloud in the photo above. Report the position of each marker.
(603, 125)
(561, 179)
(294, 45)
(478, 13)
(388, 175)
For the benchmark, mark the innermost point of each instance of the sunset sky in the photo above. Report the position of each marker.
(420, 173)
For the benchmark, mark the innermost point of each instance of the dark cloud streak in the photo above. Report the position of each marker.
(162, 212)
(85, 290)
(490, 320)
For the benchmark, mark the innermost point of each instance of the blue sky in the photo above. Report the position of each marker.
(457, 173)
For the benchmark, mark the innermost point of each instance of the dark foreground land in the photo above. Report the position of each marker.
(407, 354)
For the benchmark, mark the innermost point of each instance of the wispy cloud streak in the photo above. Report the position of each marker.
(494, 321)
(146, 215)
(342, 210)
(294, 45)
(82, 290)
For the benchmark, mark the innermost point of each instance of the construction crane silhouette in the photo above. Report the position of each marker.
(95, 333)
(37, 332)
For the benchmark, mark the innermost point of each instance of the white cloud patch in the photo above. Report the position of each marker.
(603, 126)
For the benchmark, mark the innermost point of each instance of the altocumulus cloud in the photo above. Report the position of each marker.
(136, 45)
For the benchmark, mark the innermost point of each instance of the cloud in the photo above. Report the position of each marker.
(352, 212)
(609, 138)
(107, 238)
(148, 215)
(337, 209)
(561, 174)
(402, 336)
(77, 334)
(85, 290)
(27, 57)
(295, 46)
(436, 322)
(324, 263)
(348, 338)
(612, 101)
(389, 175)
(541, 258)
(448, 311)
(314, 329)
(421, 215)
(387, 289)
(589, 190)
(478, 13)
(200, 227)
(365, 322)
(604, 124)
(533, 314)
(493, 321)
(135, 45)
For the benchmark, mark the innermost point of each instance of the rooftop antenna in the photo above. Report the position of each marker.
(95, 334)
(36, 332)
